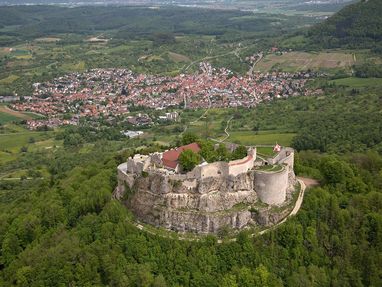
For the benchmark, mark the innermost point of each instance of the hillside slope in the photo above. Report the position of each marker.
(357, 25)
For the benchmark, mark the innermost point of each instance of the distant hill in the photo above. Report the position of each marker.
(358, 25)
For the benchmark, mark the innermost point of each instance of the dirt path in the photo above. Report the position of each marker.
(250, 72)
(225, 131)
(309, 182)
(198, 119)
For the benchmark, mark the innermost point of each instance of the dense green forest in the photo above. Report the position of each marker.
(333, 122)
(356, 26)
(65, 229)
(22, 23)
(60, 226)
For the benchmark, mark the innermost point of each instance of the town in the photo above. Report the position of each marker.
(113, 92)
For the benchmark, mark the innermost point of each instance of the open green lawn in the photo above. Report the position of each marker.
(271, 168)
(358, 82)
(251, 138)
(265, 150)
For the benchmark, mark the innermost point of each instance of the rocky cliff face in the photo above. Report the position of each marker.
(189, 205)
(200, 206)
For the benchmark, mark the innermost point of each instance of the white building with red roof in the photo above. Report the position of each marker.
(170, 157)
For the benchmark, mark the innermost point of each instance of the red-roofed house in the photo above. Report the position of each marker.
(170, 157)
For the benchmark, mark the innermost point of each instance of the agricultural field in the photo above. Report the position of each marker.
(5, 118)
(300, 61)
(8, 115)
(359, 82)
(212, 124)
(15, 141)
(8, 80)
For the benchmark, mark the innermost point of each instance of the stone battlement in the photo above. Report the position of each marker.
(154, 162)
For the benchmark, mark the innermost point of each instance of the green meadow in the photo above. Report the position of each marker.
(358, 82)
(262, 138)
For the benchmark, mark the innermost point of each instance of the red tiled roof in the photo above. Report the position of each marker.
(170, 158)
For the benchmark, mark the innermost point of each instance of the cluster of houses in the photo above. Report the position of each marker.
(140, 120)
(50, 123)
(111, 92)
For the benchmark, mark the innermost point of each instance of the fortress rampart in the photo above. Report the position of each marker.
(207, 198)
(271, 187)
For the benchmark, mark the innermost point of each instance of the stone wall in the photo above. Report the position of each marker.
(138, 163)
(288, 159)
(215, 169)
(123, 178)
(201, 223)
(280, 157)
(237, 167)
(271, 187)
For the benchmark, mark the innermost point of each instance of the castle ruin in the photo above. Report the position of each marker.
(211, 196)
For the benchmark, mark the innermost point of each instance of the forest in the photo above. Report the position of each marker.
(22, 23)
(65, 229)
(356, 26)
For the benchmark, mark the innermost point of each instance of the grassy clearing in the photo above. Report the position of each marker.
(80, 66)
(13, 142)
(358, 82)
(18, 140)
(6, 157)
(250, 138)
(265, 150)
(271, 168)
(45, 144)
